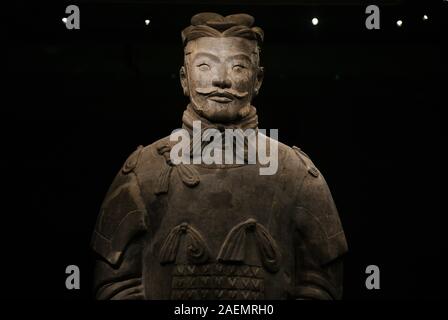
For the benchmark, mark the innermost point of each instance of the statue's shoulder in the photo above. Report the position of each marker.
(296, 162)
(145, 158)
(304, 161)
(123, 212)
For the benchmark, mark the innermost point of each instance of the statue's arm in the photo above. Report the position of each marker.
(320, 240)
(118, 241)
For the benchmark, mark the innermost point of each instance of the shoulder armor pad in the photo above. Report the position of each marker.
(122, 217)
(312, 170)
(132, 161)
(318, 219)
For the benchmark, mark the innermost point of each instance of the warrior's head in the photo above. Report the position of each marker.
(221, 72)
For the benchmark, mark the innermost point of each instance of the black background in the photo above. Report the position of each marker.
(365, 105)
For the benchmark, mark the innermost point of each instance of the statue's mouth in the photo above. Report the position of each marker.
(221, 97)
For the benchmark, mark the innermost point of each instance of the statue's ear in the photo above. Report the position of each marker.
(184, 80)
(259, 80)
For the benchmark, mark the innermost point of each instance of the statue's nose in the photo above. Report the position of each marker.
(221, 79)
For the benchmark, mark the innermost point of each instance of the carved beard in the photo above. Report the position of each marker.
(242, 113)
(232, 92)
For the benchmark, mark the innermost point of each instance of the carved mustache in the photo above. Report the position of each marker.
(228, 93)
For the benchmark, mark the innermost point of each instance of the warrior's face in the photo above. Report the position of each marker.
(221, 76)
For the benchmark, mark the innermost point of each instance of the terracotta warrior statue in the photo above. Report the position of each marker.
(174, 230)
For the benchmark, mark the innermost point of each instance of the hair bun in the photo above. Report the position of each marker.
(219, 22)
(211, 24)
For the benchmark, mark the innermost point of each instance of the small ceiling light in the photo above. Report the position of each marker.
(399, 23)
(315, 21)
(147, 22)
(425, 17)
(64, 20)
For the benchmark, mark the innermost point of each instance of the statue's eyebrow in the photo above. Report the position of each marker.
(208, 55)
(242, 56)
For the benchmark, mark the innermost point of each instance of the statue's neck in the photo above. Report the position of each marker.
(250, 121)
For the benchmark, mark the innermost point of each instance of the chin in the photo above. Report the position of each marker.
(224, 112)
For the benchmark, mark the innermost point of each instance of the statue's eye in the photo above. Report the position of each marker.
(238, 67)
(203, 67)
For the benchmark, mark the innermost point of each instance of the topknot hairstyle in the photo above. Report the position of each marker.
(210, 24)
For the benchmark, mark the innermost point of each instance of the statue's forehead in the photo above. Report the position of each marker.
(221, 46)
